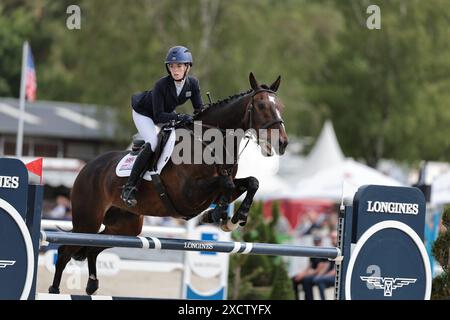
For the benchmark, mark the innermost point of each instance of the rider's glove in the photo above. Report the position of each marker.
(185, 118)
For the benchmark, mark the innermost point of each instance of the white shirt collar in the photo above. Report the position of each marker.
(179, 86)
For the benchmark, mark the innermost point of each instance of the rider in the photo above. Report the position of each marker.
(157, 106)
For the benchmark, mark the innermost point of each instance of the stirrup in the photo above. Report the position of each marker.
(129, 195)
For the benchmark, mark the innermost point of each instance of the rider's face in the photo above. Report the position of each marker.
(177, 70)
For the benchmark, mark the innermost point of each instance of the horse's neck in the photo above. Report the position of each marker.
(229, 116)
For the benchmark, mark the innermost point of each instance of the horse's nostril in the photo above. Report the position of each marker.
(282, 147)
(284, 144)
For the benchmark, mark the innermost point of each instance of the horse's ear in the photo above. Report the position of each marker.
(274, 86)
(253, 83)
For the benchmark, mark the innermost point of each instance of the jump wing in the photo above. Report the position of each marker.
(400, 282)
(5, 263)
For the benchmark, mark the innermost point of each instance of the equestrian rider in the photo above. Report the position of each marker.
(157, 106)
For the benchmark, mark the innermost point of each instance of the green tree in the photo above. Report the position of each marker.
(381, 88)
(386, 87)
(441, 250)
(15, 26)
(258, 276)
(282, 289)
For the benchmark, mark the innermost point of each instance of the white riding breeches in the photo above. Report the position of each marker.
(146, 128)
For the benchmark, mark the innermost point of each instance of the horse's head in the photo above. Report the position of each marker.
(263, 115)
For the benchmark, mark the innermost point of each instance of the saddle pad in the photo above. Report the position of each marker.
(125, 165)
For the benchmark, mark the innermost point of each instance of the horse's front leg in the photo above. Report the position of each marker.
(219, 214)
(249, 185)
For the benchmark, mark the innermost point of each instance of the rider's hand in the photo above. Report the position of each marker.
(199, 110)
(185, 118)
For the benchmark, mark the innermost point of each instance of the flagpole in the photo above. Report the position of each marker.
(19, 141)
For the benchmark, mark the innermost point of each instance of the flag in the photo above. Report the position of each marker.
(28, 88)
(30, 77)
(35, 167)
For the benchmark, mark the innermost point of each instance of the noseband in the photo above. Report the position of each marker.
(251, 107)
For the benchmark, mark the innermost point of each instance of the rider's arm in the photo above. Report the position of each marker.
(196, 97)
(159, 114)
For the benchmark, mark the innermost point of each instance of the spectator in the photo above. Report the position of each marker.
(330, 222)
(326, 274)
(306, 277)
(62, 209)
(312, 222)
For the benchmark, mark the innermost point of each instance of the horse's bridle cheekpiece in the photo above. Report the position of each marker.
(250, 108)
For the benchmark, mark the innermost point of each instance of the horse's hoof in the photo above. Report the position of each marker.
(229, 226)
(92, 286)
(53, 290)
(241, 217)
(242, 222)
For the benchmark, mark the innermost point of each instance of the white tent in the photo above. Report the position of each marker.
(340, 180)
(325, 153)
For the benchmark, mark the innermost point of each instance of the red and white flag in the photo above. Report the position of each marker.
(35, 167)
(30, 78)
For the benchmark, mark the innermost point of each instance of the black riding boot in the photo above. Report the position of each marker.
(140, 165)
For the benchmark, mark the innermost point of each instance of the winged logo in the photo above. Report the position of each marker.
(6, 263)
(388, 284)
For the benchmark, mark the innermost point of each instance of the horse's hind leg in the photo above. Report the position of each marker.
(86, 224)
(92, 284)
(118, 222)
(64, 255)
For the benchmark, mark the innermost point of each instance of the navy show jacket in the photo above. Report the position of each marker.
(160, 103)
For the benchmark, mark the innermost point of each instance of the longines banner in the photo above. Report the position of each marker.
(16, 261)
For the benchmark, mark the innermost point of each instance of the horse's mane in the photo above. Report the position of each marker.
(221, 103)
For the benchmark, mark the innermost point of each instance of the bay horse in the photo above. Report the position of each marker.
(192, 188)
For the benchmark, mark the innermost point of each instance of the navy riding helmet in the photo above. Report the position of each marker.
(178, 54)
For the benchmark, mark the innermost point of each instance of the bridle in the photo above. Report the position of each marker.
(250, 107)
(249, 111)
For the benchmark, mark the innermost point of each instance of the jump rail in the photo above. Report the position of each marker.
(96, 240)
